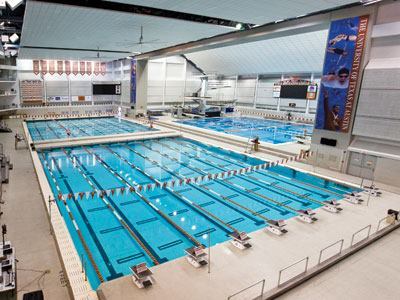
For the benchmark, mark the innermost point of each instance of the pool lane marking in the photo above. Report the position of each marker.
(171, 192)
(55, 133)
(123, 223)
(309, 184)
(110, 267)
(287, 180)
(162, 214)
(37, 129)
(177, 194)
(85, 246)
(264, 197)
(297, 200)
(74, 125)
(278, 191)
(198, 187)
(285, 190)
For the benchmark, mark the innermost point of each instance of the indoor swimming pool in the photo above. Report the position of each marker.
(271, 131)
(42, 130)
(118, 229)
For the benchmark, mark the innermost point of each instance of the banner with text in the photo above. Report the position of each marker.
(133, 81)
(342, 65)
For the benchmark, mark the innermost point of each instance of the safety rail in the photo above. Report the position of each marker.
(249, 287)
(357, 232)
(323, 264)
(378, 228)
(341, 241)
(306, 259)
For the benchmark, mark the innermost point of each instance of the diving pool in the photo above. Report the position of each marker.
(118, 230)
(271, 131)
(42, 130)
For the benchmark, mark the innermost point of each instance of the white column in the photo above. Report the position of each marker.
(165, 82)
(184, 81)
(308, 101)
(141, 86)
(235, 90)
(255, 92)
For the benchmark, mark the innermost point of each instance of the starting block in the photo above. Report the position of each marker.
(276, 227)
(306, 215)
(332, 206)
(196, 257)
(142, 276)
(353, 198)
(240, 240)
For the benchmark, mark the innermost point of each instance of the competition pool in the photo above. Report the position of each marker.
(271, 131)
(116, 230)
(42, 130)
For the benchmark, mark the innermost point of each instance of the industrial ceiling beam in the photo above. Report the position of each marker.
(148, 11)
(303, 24)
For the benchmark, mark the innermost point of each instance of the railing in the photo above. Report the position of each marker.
(249, 287)
(321, 261)
(306, 259)
(330, 246)
(357, 232)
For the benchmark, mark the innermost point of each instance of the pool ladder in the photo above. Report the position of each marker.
(249, 146)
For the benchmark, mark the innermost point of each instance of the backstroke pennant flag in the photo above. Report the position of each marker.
(36, 67)
(82, 68)
(60, 67)
(52, 67)
(67, 67)
(75, 68)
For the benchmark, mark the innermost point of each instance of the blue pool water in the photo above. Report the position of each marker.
(57, 129)
(271, 131)
(156, 226)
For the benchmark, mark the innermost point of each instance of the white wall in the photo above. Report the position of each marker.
(69, 87)
(169, 80)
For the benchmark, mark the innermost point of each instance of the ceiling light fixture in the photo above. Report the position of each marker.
(239, 26)
(14, 38)
(13, 4)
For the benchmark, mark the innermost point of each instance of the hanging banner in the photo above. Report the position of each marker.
(36, 67)
(133, 81)
(43, 66)
(75, 67)
(96, 68)
(342, 65)
(67, 67)
(82, 68)
(52, 67)
(60, 67)
(89, 68)
(103, 68)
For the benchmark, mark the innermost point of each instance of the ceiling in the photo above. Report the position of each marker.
(300, 53)
(62, 26)
(253, 11)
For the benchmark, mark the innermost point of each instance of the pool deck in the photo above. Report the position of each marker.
(231, 269)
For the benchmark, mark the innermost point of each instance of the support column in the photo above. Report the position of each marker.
(308, 101)
(141, 87)
(255, 93)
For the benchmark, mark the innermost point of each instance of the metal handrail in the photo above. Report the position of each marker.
(380, 222)
(331, 245)
(249, 287)
(362, 229)
(297, 262)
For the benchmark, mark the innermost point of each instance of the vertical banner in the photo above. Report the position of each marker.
(133, 81)
(82, 68)
(96, 68)
(60, 67)
(103, 68)
(89, 68)
(43, 66)
(36, 67)
(342, 65)
(75, 66)
(52, 67)
(67, 67)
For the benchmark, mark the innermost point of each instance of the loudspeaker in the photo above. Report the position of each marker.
(328, 142)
